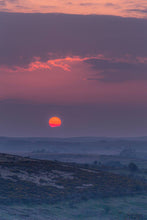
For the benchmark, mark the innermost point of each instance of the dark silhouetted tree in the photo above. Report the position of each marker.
(132, 167)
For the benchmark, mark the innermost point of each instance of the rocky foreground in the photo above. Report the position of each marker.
(25, 180)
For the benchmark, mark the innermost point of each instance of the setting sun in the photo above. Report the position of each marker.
(54, 122)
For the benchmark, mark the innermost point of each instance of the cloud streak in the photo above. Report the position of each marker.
(116, 71)
(56, 36)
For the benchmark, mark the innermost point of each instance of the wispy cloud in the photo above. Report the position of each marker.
(138, 10)
(2, 3)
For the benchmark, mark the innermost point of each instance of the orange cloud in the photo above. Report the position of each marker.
(67, 63)
(116, 7)
(37, 64)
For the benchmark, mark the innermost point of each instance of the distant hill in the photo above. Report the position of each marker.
(75, 145)
(25, 180)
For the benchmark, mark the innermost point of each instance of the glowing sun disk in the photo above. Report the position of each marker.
(54, 122)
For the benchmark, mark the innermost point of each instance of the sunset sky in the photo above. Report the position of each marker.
(82, 61)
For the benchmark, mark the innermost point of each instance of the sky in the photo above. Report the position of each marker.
(83, 61)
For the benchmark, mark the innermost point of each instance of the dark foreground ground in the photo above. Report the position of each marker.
(42, 189)
(28, 180)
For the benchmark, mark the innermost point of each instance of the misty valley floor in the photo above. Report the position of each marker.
(99, 209)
